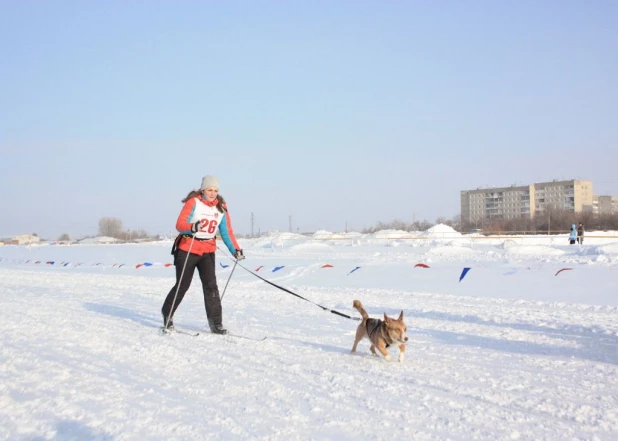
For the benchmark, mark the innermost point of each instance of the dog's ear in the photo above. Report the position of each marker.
(386, 318)
(400, 316)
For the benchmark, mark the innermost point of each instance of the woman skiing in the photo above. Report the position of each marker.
(203, 214)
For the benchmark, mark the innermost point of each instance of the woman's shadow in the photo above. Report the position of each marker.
(124, 313)
(74, 430)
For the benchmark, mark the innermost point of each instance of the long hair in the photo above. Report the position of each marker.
(196, 193)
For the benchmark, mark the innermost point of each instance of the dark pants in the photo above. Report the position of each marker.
(205, 265)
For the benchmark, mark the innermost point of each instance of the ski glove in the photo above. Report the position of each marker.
(196, 227)
(239, 255)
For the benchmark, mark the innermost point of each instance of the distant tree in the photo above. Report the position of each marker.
(419, 225)
(551, 221)
(64, 237)
(456, 222)
(132, 235)
(443, 220)
(111, 226)
(398, 225)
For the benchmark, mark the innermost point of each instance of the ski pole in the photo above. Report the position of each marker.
(228, 279)
(169, 316)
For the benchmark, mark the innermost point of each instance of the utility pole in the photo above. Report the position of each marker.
(290, 223)
(252, 224)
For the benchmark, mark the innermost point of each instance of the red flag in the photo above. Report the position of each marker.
(563, 269)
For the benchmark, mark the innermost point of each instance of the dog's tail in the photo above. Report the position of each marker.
(358, 305)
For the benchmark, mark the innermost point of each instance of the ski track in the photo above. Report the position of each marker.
(84, 355)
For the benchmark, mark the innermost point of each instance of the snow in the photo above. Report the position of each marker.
(512, 352)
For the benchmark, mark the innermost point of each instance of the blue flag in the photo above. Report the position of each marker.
(358, 267)
(463, 273)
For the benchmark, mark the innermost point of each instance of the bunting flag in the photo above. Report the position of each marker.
(508, 272)
(358, 267)
(563, 269)
(463, 273)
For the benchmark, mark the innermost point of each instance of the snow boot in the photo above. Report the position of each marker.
(219, 329)
(216, 329)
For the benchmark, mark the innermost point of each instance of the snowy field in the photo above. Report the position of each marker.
(515, 351)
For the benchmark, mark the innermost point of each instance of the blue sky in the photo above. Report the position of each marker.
(326, 111)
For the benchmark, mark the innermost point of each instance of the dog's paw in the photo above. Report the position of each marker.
(400, 359)
(387, 358)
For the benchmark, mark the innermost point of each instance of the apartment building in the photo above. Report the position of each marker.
(602, 205)
(575, 196)
(497, 203)
(525, 201)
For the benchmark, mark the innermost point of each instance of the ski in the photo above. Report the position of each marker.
(180, 331)
(195, 334)
(192, 334)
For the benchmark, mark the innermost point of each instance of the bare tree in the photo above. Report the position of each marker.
(398, 225)
(110, 226)
(64, 237)
(133, 235)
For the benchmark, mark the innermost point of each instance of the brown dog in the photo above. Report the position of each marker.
(381, 333)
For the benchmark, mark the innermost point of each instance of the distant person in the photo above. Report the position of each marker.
(580, 234)
(573, 234)
(203, 214)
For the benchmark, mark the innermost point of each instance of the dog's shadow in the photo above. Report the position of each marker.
(331, 349)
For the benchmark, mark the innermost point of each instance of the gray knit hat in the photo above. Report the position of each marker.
(209, 181)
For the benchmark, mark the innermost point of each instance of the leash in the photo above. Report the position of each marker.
(324, 308)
